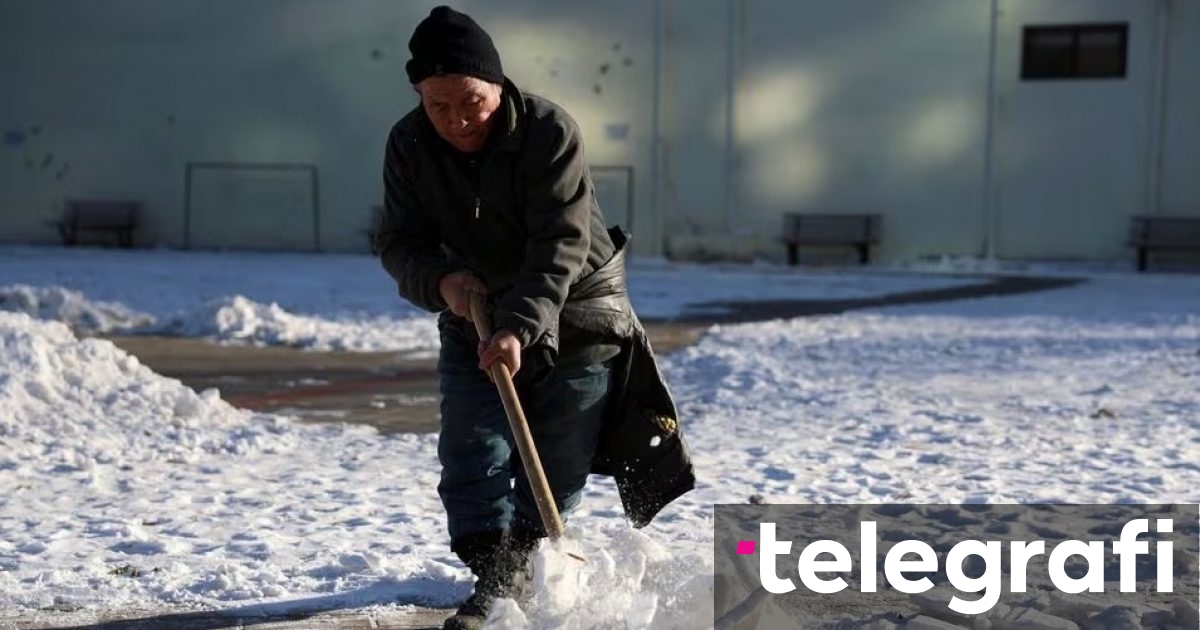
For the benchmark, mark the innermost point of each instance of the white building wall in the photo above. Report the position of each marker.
(694, 183)
(849, 106)
(128, 92)
(863, 106)
(113, 99)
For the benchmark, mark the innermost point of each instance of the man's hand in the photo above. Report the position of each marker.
(503, 347)
(456, 289)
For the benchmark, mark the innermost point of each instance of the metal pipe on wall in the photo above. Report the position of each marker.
(733, 40)
(656, 140)
(1158, 109)
(989, 145)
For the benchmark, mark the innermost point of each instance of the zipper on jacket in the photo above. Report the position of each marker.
(476, 206)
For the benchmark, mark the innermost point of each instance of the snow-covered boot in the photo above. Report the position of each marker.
(518, 550)
(502, 568)
(471, 614)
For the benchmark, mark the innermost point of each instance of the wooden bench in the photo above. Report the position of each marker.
(81, 215)
(859, 231)
(1148, 233)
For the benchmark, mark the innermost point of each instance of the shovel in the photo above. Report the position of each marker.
(520, 429)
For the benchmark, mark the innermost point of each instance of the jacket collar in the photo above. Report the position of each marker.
(513, 129)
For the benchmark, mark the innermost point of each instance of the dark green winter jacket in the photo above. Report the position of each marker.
(524, 219)
(522, 216)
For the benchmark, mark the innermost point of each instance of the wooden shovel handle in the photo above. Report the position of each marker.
(520, 427)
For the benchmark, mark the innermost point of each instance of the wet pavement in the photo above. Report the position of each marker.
(398, 393)
(390, 391)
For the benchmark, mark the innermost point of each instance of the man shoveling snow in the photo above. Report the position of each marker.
(487, 192)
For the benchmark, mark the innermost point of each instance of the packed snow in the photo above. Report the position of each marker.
(121, 489)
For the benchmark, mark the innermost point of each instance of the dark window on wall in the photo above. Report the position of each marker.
(1079, 51)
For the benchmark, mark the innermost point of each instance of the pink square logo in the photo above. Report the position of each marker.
(745, 547)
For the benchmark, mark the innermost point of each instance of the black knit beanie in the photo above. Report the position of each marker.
(449, 42)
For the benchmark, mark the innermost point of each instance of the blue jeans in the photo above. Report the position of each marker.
(476, 450)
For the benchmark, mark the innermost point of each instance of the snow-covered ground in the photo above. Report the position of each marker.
(343, 302)
(122, 489)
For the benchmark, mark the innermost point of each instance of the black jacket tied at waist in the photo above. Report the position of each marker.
(641, 442)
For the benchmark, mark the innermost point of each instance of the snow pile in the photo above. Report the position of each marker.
(120, 487)
(235, 319)
(239, 319)
(56, 303)
(312, 301)
(627, 581)
(83, 402)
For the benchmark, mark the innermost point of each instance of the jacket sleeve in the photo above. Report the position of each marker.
(557, 215)
(407, 239)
